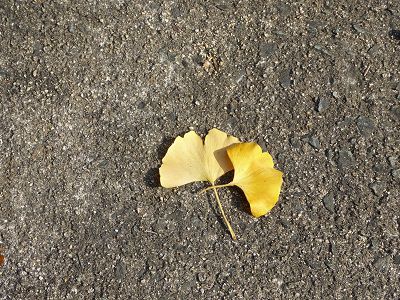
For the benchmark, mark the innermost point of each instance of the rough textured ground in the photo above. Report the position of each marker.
(92, 94)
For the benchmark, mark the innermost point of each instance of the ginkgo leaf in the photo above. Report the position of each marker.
(256, 176)
(188, 159)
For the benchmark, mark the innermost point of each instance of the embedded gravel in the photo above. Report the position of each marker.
(94, 92)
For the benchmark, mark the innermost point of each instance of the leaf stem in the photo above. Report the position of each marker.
(222, 210)
(215, 187)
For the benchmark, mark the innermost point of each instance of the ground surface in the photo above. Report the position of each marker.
(92, 94)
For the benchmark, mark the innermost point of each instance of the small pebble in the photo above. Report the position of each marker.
(328, 202)
(141, 105)
(71, 28)
(279, 32)
(3, 72)
(396, 174)
(392, 161)
(285, 78)
(396, 111)
(120, 270)
(365, 125)
(358, 28)
(314, 142)
(238, 76)
(295, 142)
(377, 188)
(198, 59)
(379, 168)
(267, 49)
(317, 47)
(345, 159)
(373, 50)
(396, 259)
(381, 262)
(323, 104)
(321, 49)
(283, 8)
(313, 26)
(329, 154)
(172, 116)
(177, 12)
(336, 31)
(202, 277)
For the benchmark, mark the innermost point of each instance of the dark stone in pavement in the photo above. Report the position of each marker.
(345, 159)
(323, 104)
(377, 188)
(285, 78)
(314, 142)
(365, 125)
(267, 49)
(328, 202)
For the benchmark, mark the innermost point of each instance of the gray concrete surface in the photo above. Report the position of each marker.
(92, 94)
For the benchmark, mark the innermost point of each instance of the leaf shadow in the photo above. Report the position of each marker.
(239, 200)
(163, 147)
(152, 176)
(217, 214)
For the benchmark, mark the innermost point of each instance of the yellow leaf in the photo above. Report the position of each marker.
(255, 175)
(188, 159)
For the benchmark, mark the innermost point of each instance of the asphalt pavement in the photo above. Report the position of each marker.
(93, 94)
